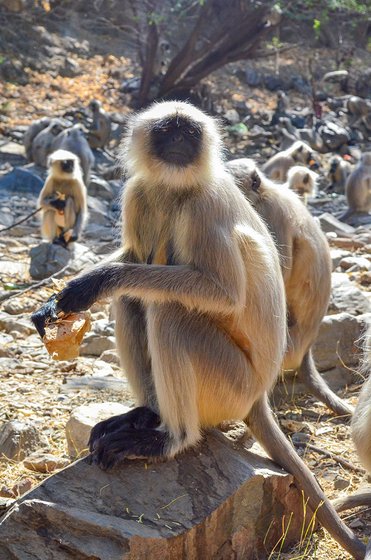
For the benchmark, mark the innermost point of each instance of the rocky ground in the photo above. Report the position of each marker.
(39, 394)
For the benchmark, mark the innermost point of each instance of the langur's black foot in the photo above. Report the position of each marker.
(114, 447)
(139, 418)
(60, 241)
(48, 312)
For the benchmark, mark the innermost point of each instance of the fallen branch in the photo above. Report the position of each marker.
(21, 221)
(343, 462)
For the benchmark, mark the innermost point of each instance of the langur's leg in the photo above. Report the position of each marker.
(201, 378)
(268, 433)
(48, 226)
(309, 375)
(69, 219)
(132, 347)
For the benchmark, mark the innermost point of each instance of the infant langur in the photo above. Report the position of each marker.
(303, 181)
(199, 302)
(63, 199)
(299, 153)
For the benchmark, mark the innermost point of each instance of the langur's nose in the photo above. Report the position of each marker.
(177, 138)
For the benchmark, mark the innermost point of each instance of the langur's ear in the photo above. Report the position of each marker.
(256, 181)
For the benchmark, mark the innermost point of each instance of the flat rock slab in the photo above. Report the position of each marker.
(214, 502)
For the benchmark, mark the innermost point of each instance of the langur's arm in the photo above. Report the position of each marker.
(215, 282)
(47, 196)
(48, 312)
(80, 219)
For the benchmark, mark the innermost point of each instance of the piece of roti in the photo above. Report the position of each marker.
(63, 337)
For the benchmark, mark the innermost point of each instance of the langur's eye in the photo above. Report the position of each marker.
(191, 130)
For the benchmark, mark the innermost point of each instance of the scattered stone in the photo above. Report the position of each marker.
(158, 510)
(70, 68)
(5, 340)
(253, 78)
(44, 462)
(232, 116)
(18, 439)
(95, 383)
(345, 296)
(337, 255)
(335, 343)
(111, 357)
(341, 483)
(101, 189)
(346, 243)
(17, 307)
(13, 268)
(81, 257)
(329, 223)
(356, 524)
(8, 323)
(47, 259)
(83, 419)
(17, 490)
(355, 264)
(99, 340)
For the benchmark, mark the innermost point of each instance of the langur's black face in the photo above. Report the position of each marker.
(67, 165)
(176, 140)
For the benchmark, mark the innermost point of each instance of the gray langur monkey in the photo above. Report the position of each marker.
(42, 145)
(339, 171)
(163, 57)
(306, 269)
(361, 435)
(358, 108)
(278, 165)
(63, 199)
(100, 130)
(358, 188)
(200, 303)
(302, 181)
(31, 132)
(73, 140)
(361, 422)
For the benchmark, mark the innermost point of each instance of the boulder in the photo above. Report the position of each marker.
(101, 189)
(82, 420)
(18, 439)
(335, 344)
(329, 223)
(21, 180)
(215, 501)
(44, 462)
(346, 296)
(47, 259)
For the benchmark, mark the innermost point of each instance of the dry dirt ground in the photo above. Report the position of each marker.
(35, 388)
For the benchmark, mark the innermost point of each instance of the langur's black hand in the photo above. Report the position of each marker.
(46, 313)
(58, 203)
(81, 293)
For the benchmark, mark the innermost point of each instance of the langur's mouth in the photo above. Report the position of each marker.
(176, 157)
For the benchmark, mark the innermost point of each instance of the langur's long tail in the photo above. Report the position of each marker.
(318, 387)
(269, 434)
(360, 498)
